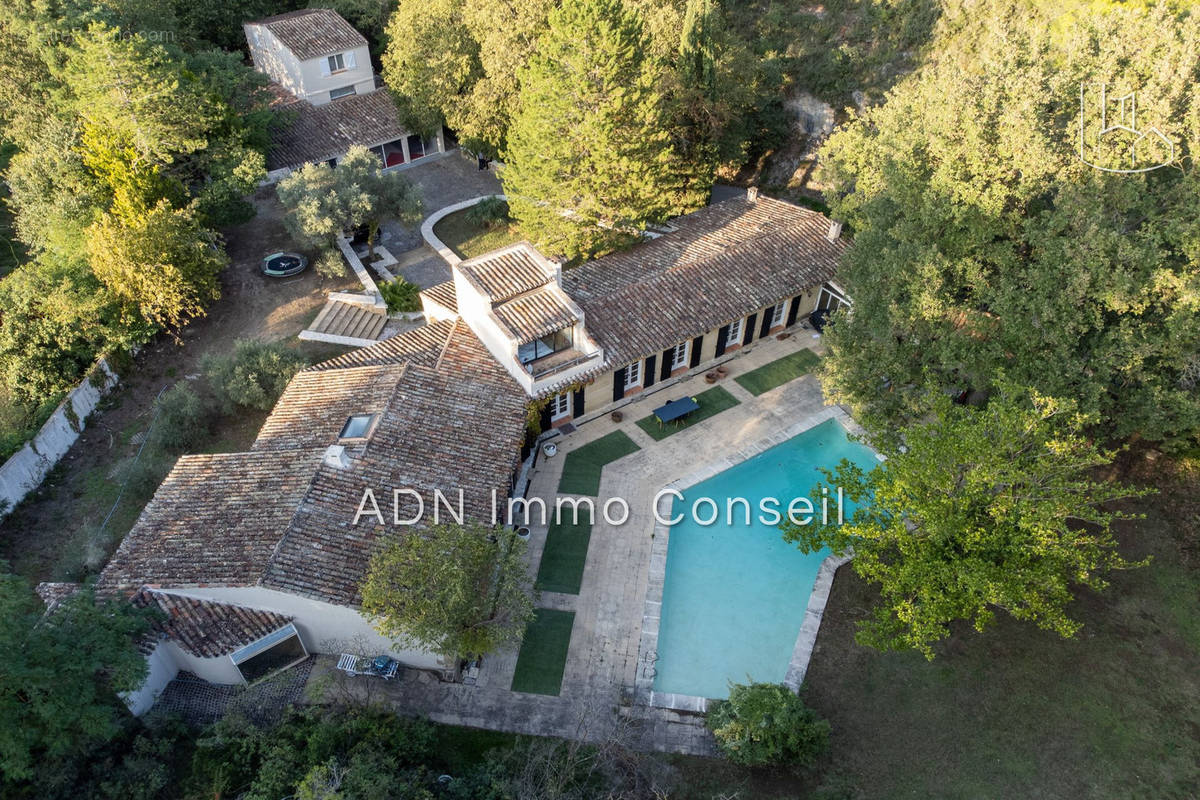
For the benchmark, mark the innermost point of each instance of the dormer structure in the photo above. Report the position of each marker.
(513, 300)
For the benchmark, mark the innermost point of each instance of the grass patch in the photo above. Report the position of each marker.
(711, 401)
(1112, 712)
(561, 568)
(581, 472)
(778, 372)
(469, 239)
(544, 652)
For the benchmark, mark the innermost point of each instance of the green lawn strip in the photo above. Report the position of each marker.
(543, 653)
(778, 372)
(711, 401)
(469, 239)
(561, 569)
(581, 472)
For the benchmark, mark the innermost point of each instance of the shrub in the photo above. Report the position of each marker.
(767, 723)
(184, 418)
(490, 213)
(254, 375)
(330, 264)
(400, 295)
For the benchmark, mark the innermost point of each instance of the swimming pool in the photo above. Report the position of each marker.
(734, 596)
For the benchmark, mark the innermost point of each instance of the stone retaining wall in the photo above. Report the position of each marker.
(26, 469)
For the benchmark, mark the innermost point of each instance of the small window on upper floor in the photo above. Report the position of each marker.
(337, 63)
(357, 426)
(345, 91)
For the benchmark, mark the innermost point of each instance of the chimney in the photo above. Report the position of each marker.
(835, 230)
(336, 457)
(752, 194)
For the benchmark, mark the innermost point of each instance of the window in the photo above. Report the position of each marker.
(547, 345)
(777, 314)
(736, 329)
(633, 375)
(357, 426)
(272, 653)
(560, 406)
(337, 63)
(345, 91)
(679, 356)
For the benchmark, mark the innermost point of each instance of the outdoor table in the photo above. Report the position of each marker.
(676, 409)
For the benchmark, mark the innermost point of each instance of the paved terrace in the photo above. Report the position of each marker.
(598, 687)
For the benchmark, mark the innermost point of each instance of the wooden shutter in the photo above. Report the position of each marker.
(577, 406)
(544, 419)
(722, 339)
(666, 365)
(748, 334)
(325, 67)
(793, 311)
(648, 372)
(350, 62)
(697, 346)
(766, 323)
(618, 384)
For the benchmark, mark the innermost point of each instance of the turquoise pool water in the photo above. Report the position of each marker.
(735, 595)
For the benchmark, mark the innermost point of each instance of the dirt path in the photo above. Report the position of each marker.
(55, 534)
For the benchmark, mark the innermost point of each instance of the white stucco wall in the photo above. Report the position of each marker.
(306, 79)
(161, 670)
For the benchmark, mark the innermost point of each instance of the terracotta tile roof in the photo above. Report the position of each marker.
(421, 345)
(282, 517)
(313, 32)
(536, 314)
(319, 133)
(724, 261)
(206, 628)
(503, 274)
(53, 593)
(316, 404)
(456, 426)
(444, 294)
(216, 519)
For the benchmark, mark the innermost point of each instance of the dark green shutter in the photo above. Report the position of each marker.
(748, 336)
(648, 372)
(722, 338)
(793, 311)
(619, 384)
(697, 346)
(666, 365)
(577, 406)
(766, 323)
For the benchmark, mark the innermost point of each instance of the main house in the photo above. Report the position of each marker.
(255, 558)
(323, 84)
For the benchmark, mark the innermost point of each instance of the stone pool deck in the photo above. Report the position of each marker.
(610, 660)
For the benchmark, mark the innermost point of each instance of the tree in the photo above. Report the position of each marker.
(324, 202)
(163, 262)
(376, 195)
(253, 375)
(55, 317)
(978, 511)
(62, 673)
(459, 590)
(767, 723)
(982, 245)
(589, 160)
